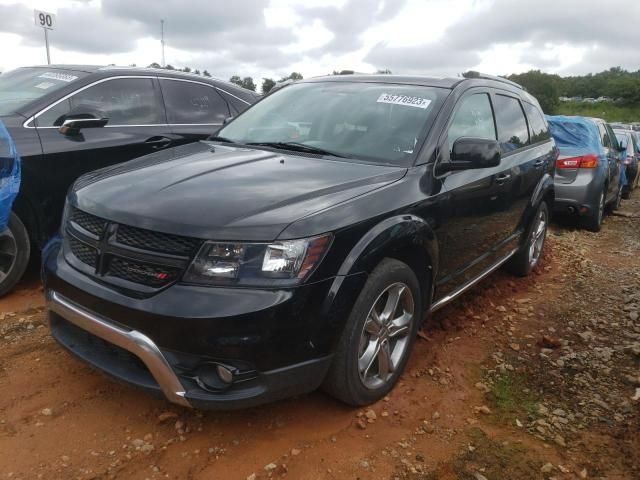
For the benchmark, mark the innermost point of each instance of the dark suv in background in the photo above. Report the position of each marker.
(303, 245)
(69, 120)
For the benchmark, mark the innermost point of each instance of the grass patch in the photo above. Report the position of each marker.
(510, 398)
(611, 112)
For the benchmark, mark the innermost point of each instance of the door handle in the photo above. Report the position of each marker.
(539, 163)
(503, 178)
(158, 142)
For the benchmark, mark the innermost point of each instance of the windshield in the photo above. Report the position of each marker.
(369, 121)
(21, 86)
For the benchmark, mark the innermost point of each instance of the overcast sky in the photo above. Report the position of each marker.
(271, 38)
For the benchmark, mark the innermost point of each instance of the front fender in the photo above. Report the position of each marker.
(399, 237)
(542, 190)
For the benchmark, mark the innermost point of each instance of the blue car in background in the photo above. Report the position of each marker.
(589, 174)
(628, 140)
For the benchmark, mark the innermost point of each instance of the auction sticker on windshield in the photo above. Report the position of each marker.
(405, 100)
(63, 77)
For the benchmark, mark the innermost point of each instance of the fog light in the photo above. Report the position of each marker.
(214, 376)
(225, 374)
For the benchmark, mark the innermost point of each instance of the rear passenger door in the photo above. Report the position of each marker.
(524, 159)
(195, 110)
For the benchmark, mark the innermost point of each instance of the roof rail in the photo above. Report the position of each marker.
(474, 74)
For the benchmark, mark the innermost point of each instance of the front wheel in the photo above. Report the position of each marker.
(378, 336)
(529, 254)
(15, 250)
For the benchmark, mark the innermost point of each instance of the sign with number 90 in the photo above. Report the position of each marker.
(44, 19)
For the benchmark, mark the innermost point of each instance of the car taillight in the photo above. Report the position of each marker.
(585, 161)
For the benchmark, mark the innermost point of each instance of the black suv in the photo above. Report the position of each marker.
(303, 245)
(55, 116)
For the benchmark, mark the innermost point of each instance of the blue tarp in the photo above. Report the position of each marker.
(575, 135)
(9, 175)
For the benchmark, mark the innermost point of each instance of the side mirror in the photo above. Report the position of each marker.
(227, 120)
(472, 153)
(72, 126)
(622, 145)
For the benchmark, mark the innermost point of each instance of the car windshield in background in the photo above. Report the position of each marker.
(374, 122)
(24, 85)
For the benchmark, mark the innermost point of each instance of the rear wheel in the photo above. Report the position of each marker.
(529, 254)
(378, 337)
(593, 222)
(15, 250)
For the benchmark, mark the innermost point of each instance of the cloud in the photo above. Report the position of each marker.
(435, 58)
(82, 28)
(349, 21)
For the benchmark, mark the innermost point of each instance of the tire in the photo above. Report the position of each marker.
(15, 251)
(593, 222)
(530, 252)
(349, 379)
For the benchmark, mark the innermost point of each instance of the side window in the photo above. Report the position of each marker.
(538, 129)
(613, 141)
(195, 103)
(512, 125)
(236, 106)
(125, 101)
(474, 118)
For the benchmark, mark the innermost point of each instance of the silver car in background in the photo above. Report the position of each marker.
(588, 169)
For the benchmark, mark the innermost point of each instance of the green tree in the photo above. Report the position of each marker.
(155, 65)
(267, 85)
(248, 83)
(206, 73)
(196, 71)
(343, 72)
(186, 69)
(385, 71)
(543, 86)
(292, 76)
(236, 79)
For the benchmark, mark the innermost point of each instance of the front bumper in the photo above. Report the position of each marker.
(277, 343)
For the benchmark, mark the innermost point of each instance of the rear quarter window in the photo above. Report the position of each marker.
(538, 129)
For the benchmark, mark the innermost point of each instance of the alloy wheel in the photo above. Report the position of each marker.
(537, 238)
(8, 253)
(385, 336)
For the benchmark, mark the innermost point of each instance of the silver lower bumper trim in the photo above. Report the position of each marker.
(135, 342)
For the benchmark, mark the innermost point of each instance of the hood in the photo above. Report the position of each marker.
(224, 192)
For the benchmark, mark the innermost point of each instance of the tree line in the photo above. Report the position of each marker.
(617, 84)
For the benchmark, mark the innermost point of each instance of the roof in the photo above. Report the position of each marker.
(426, 81)
(142, 70)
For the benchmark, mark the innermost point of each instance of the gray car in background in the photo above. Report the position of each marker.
(588, 169)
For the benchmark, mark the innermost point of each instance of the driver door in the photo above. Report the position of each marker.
(137, 125)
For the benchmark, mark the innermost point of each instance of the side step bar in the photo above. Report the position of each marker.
(463, 288)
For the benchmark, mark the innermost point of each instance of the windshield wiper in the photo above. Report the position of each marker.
(297, 147)
(215, 138)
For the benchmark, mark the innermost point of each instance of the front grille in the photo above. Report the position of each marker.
(122, 254)
(155, 241)
(86, 254)
(136, 272)
(89, 222)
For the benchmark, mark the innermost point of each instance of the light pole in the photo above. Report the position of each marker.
(162, 40)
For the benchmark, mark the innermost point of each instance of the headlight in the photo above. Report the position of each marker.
(285, 262)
